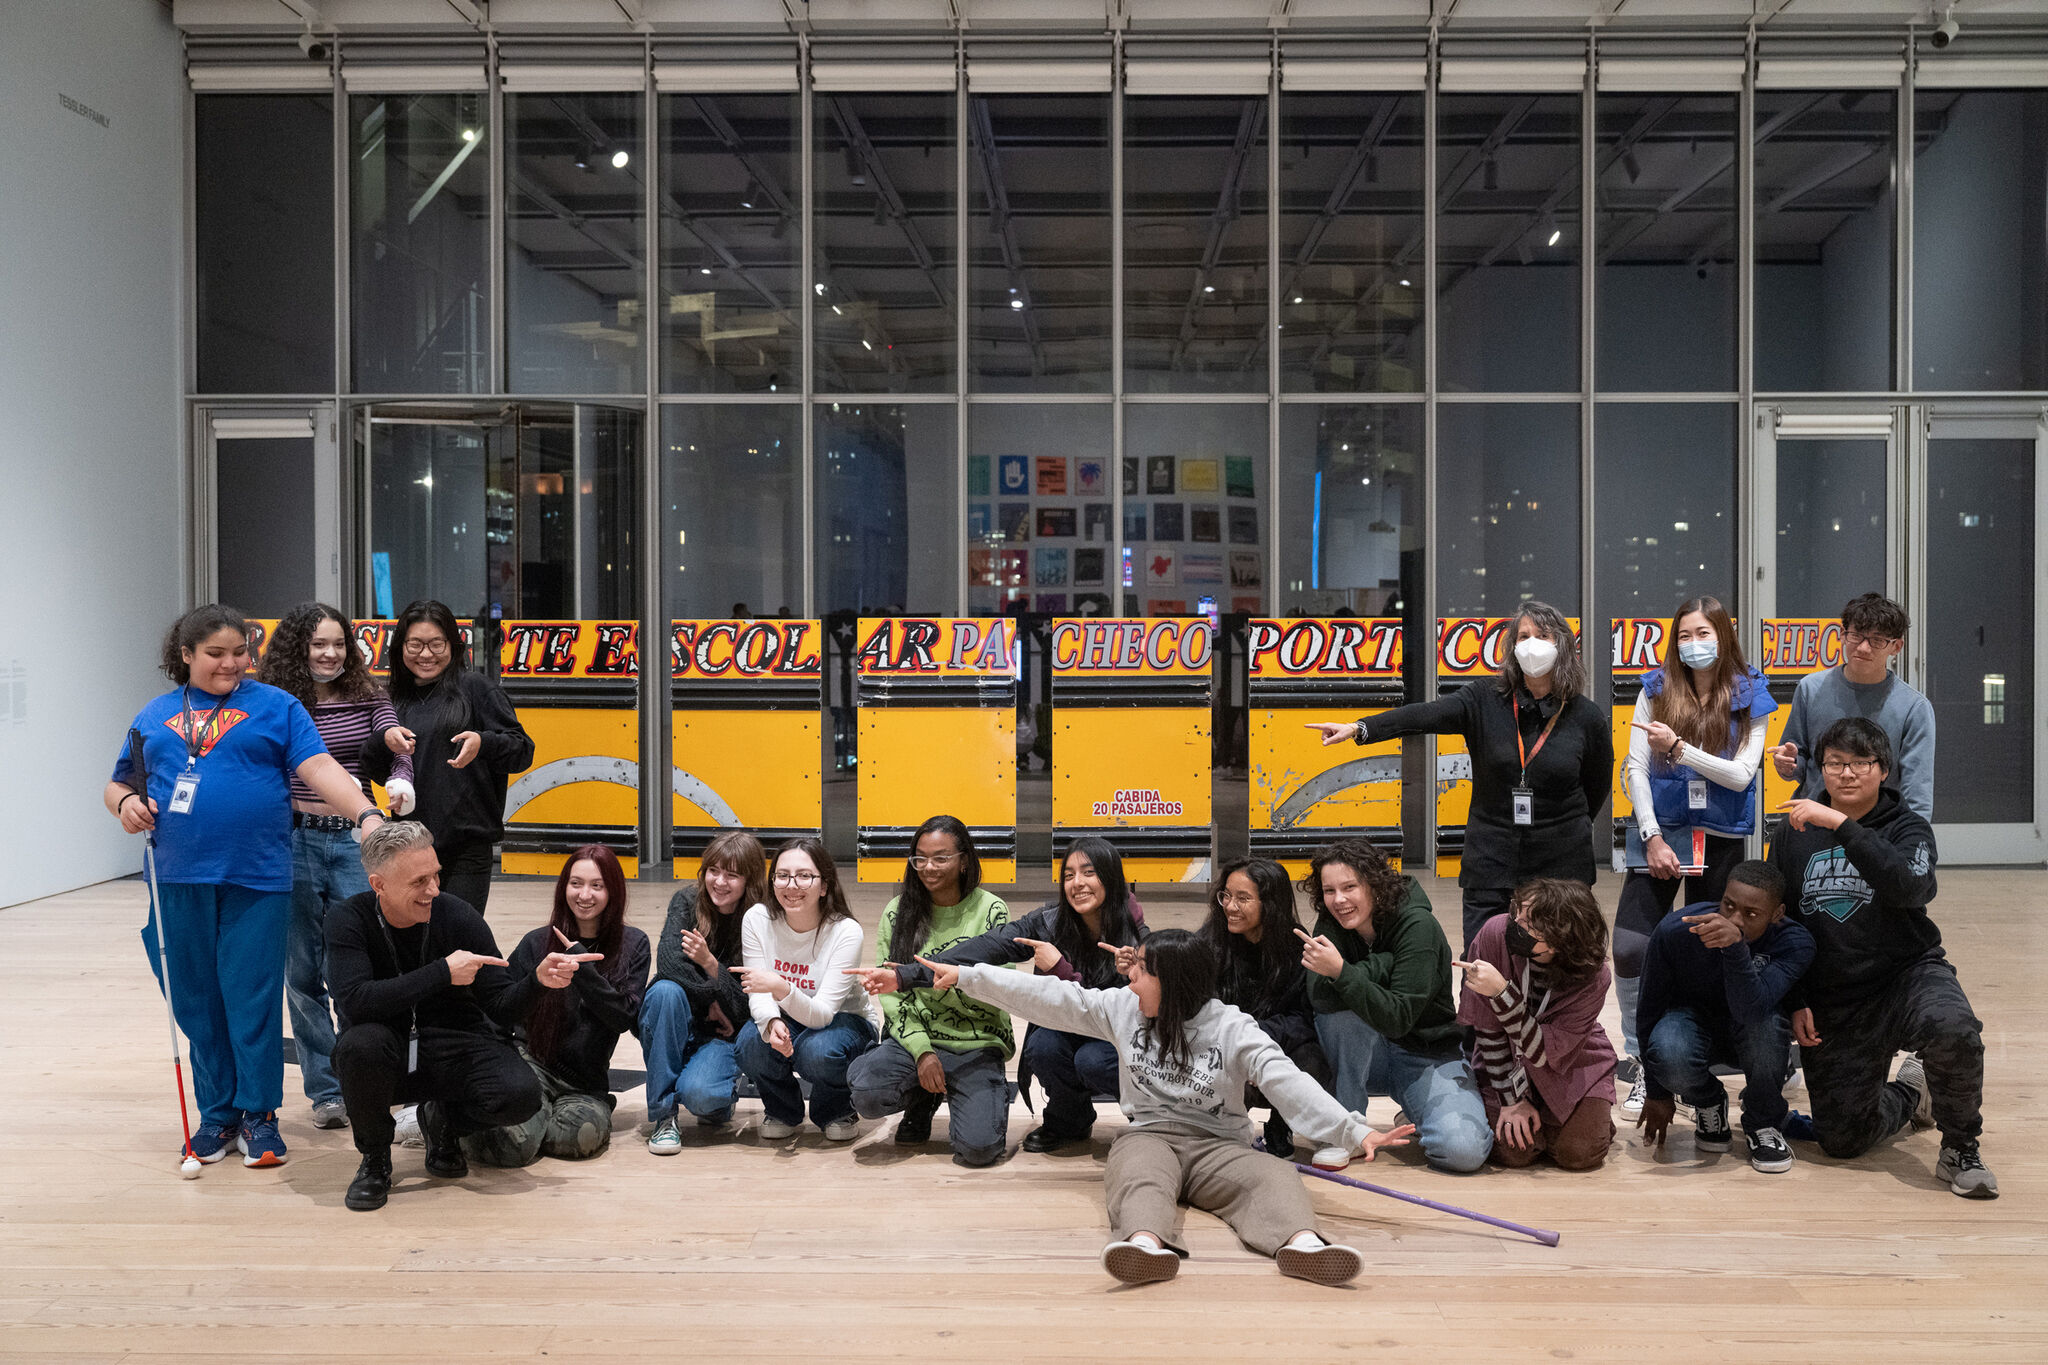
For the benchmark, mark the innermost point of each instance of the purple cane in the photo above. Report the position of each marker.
(1548, 1239)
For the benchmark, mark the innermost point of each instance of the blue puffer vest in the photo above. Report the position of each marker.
(1729, 813)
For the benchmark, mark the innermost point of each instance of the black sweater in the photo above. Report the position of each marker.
(458, 804)
(596, 1008)
(372, 985)
(999, 946)
(1862, 892)
(1571, 778)
(702, 989)
(1241, 981)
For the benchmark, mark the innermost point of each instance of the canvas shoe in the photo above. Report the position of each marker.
(1638, 1095)
(1324, 1263)
(1139, 1263)
(1710, 1130)
(667, 1137)
(775, 1130)
(843, 1130)
(1768, 1151)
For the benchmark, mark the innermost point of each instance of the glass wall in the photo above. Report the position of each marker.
(1039, 536)
(1350, 510)
(1507, 525)
(1664, 506)
(1195, 501)
(1831, 523)
(888, 489)
(732, 524)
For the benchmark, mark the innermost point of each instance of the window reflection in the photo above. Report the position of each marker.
(732, 488)
(1664, 510)
(888, 508)
(1195, 500)
(1039, 536)
(1351, 498)
(1507, 507)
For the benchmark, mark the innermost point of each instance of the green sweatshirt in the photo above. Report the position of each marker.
(923, 1019)
(1399, 983)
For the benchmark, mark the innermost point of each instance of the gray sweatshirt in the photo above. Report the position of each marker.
(1206, 1098)
(1906, 717)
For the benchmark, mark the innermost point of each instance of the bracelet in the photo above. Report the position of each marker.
(124, 801)
(365, 814)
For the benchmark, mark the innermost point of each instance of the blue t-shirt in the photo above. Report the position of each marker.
(239, 830)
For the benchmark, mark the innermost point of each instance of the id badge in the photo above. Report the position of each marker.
(186, 790)
(1525, 806)
(1696, 793)
(412, 1052)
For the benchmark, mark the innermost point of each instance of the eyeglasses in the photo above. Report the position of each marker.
(416, 649)
(1856, 639)
(795, 878)
(937, 861)
(1234, 901)
(1835, 767)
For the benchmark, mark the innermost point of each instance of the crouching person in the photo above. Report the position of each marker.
(424, 1002)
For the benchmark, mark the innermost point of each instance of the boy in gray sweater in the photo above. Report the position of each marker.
(1873, 634)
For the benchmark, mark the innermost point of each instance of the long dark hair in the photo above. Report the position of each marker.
(1275, 959)
(739, 853)
(1069, 934)
(404, 685)
(1703, 718)
(286, 658)
(544, 1025)
(1185, 964)
(193, 629)
(831, 895)
(914, 902)
(1567, 675)
(1387, 887)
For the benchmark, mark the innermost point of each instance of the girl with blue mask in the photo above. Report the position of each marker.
(1697, 739)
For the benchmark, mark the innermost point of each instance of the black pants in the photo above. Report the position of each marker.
(479, 1081)
(1314, 1063)
(466, 866)
(1482, 903)
(1923, 1010)
(1646, 900)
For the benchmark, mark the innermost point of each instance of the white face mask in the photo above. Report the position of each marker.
(1536, 655)
(325, 677)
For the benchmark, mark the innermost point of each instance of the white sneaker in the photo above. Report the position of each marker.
(666, 1139)
(1638, 1096)
(1139, 1262)
(1912, 1073)
(408, 1132)
(1331, 1158)
(775, 1130)
(843, 1130)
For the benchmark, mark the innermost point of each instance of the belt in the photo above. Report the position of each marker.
(338, 824)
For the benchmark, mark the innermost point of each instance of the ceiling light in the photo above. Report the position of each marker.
(703, 270)
(819, 287)
(469, 134)
(1208, 289)
(619, 159)
(1406, 285)
(1297, 298)
(1016, 303)
(1555, 233)
(869, 345)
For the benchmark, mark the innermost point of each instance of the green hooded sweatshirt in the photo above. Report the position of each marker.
(1399, 982)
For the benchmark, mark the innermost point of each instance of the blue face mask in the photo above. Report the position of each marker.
(1699, 653)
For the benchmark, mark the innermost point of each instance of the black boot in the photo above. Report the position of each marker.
(1044, 1139)
(372, 1185)
(915, 1127)
(444, 1149)
(1279, 1138)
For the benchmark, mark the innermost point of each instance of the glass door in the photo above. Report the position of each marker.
(269, 532)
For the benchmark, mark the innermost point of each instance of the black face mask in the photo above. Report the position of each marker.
(1521, 942)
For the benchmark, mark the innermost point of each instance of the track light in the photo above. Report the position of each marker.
(1947, 31)
(619, 159)
(856, 169)
(751, 193)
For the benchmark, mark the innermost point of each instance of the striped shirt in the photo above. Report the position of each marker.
(343, 726)
(1504, 1057)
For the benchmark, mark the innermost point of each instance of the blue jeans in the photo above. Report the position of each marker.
(1681, 1051)
(327, 868)
(821, 1057)
(1441, 1097)
(1074, 1068)
(226, 951)
(700, 1075)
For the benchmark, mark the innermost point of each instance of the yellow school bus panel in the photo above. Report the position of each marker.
(1622, 717)
(1453, 798)
(1286, 756)
(1099, 753)
(748, 768)
(1777, 790)
(917, 762)
(573, 732)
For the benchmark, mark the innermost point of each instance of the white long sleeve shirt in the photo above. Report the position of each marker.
(1734, 773)
(813, 963)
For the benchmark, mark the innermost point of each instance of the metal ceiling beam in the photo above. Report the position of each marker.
(1653, 114)
(1003, 225)
(1249, 120)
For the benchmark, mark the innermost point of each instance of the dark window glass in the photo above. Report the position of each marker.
(1824, 167)
(1508, 243)
(1038, 238)
(1831, 520)
(263, 219)
(1351, 532)
(887, 519)
(263, 515)
(884, 198)
(1195, 528)
(732, 485)
(419, 194)
(1667, 243)
(1351, 205)
(731, 243)
(1195, 244)
(1040, 535)
(1664, 509)
(1507, 507)
(573, 262)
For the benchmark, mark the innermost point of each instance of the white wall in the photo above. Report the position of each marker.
(90, 381)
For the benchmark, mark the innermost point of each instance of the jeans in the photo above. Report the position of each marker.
(1682, 1050)
(697, 1073)
(884, 1082)
(327, 868)
(226, 951)
(1441, 1097)
(1074, 1068)
(1645, 901)
(821, 1056)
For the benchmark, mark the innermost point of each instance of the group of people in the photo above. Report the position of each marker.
(256, 791)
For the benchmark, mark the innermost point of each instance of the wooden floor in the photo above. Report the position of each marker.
(738, 1250)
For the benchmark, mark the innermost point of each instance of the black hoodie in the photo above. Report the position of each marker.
(458, 804)
(1862, 892)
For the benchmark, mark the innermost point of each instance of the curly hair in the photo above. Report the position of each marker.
(285, 660)
(1564, 915)
(193, 629)
(1387, 887)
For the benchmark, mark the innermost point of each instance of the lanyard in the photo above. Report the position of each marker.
(1529, 755)
(195, 744)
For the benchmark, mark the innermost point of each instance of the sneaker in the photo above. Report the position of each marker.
(330, 1114)
(1627, 1069)
(372, 1185)
(1326, 1263)
(260, 1142)
(444, 1150)
(1799, 1127)
(843, 1130)
(1331, 1158)
(210, 1142)
(1139, 1262)
(666, 1139)
(1966, 1173)
(1710, 1130)
(775, 1130)
(1913, 1076)
(1768, 1151)
(915, 1127)
(406, 1129)
(1638, 1095)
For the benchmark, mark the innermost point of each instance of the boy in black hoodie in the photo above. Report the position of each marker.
(1859, 872)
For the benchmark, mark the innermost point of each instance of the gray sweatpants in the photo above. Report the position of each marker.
(569, 1125)
(1151, 1173)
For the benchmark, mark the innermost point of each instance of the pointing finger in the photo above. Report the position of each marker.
(567, 942)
